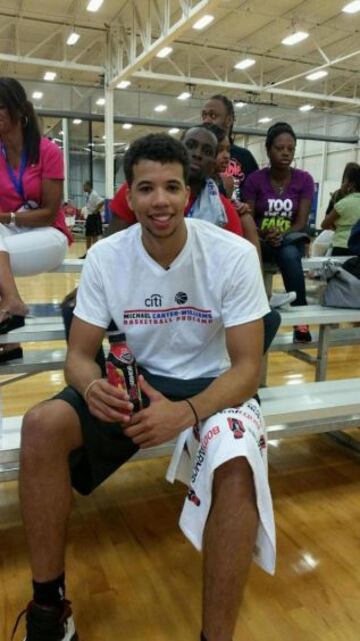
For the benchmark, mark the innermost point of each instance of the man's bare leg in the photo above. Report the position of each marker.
(50, 431)
(229, 541)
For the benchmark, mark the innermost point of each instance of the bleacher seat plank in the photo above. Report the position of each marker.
(289, 410)
(35, 361)
(290, 404)
(37, 329)
(69, 265)
(314, 263)
(318, 315)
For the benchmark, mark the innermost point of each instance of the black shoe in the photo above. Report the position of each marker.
(302, 334)
(82, 257)
(10, 354)
(11, 322)
(48, 623)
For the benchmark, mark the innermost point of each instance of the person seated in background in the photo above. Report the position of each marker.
(81, 436)
(70, 212)
(280, 199)
(226, 184)
(91, 211)
(345, 213)
(340, 193)
(33, 233)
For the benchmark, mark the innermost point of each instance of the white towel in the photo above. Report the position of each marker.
(226, 435)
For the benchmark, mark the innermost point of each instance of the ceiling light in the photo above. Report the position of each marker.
(49, 75)
(164, 52)
(77, 121)
(184, 95)
(352, 7)
(294, 38)
(306, 107)
(104, 137)
(316, 75)
(173, 131)
(124, 84)
(160, 108)
(245, 64)
(94, 5)
(100, 101)
(203, 22)
(239, 105)
(73, 38)
(127, 125)
(37, 95)
(265, 119)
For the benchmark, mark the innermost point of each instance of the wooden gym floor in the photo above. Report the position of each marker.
(131, 574)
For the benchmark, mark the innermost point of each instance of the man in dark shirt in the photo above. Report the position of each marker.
(219, 110)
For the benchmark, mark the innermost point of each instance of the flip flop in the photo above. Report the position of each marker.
(11, 322)
(10, 354)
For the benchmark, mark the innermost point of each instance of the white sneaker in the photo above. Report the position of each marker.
(281, 299)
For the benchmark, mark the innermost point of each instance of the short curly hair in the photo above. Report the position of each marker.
(159, 148)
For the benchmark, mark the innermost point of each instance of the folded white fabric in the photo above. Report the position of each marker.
(226, 435)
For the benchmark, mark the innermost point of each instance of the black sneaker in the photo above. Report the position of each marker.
(302, 334)
(48, 623)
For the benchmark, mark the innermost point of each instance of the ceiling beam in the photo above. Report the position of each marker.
(223, 84)
(319, 68)
(170, 33)
(58, 64)
(39, 19)
(40, 44)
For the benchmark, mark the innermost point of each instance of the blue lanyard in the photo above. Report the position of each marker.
(17, 181)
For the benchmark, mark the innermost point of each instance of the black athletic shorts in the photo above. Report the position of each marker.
(93, 225)
(105, 446)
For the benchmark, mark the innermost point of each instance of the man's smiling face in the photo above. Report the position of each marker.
(158, 195)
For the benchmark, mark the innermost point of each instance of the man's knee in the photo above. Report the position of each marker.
(236, 473)
(50, 426)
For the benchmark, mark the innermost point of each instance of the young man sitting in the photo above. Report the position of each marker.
(207, 348)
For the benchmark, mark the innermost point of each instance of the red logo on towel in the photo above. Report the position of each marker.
(193, 497)
(237, 427)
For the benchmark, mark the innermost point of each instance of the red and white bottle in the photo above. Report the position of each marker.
(121, 368)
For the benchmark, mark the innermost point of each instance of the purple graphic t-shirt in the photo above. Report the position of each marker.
(271, 208)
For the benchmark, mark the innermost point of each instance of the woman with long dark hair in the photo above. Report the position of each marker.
(33, 233)
(280, 198)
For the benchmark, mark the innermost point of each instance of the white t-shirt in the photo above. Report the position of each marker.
(92, 201)
(174, 319)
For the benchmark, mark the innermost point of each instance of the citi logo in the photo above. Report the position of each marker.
(155, 300)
